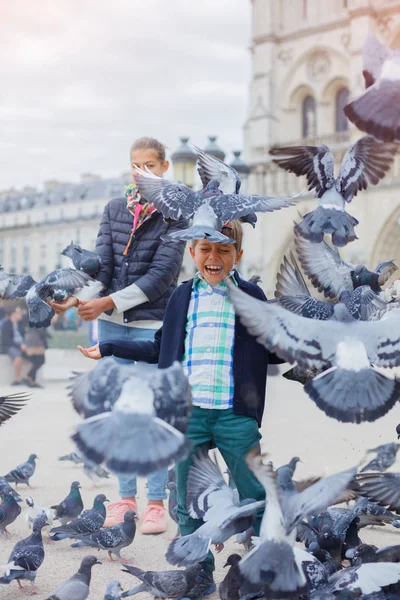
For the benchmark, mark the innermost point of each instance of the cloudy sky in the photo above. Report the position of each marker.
(81, 79)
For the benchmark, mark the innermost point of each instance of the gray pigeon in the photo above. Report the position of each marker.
(210, 207)
(211, 499)
(331, 275)
(292, 293)
(9, 511)
(364, 553)
(363, 506)
(72, 457)
(345, 351)
(83, 260)
(385, 457)
(86, 522)
(113, 591)
(366, 579)
(256, 279)
(375, 111)
(144, 431)
(23, 472)
(271, 561)
(95, 472)
(5, 488)
(10, 405)
(77, 587)
(366, 162)
(229, 588)
(26, 556)
(163, 584)
(383, 488)
(113, 539)
(14, 286)
(71, 506)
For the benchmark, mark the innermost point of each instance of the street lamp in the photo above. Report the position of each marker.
(213, 148)
(184, 161)
(240, 166)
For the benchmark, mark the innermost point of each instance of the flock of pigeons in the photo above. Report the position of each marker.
(135, 416)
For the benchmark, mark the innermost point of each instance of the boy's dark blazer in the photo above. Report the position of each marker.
(250, 359)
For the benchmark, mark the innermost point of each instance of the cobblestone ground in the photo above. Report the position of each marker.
(292, 426)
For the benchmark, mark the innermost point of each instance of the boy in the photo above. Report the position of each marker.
(226, 368)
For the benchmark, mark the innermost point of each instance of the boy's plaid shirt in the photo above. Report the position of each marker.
(208, 357)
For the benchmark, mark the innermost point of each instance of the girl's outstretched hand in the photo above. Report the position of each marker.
(92, 352)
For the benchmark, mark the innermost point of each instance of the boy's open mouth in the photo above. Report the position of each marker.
(212, 270)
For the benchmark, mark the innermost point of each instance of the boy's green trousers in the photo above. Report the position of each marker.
(234, 436)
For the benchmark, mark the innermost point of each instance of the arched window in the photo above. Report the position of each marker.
(309, 117)
(342, 98)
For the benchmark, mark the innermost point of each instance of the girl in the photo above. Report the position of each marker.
(139, 272)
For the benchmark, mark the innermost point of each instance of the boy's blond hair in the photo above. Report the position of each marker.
(233, 230)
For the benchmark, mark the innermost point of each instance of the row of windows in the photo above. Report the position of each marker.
(309, 114)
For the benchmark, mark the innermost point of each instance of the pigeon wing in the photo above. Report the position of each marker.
(172, 394)
(10, 405)
(374, 54)
(315, 162)
(64, 279)
(172, 583)
(383, 488)
(19, 287)
(289, 280)
(368, 577)
(173, 200)
(365, 162)
(233, 206)
(210, 167)
(324, 267)
(385, 270)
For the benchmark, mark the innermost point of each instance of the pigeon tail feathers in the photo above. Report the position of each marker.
(198, 232)
(188, 550)
(322, 220)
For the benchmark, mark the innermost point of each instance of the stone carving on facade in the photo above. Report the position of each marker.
(318, 65)
(345, 38)
(286, 55)
(385, 24)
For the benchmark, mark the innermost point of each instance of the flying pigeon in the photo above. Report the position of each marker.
(163, 584)
(331, 275)
(95, 472)
(9, 511)
(349, 387)
(385, 457)
(376, 110)
(26, 556)
(23, 472)
(210, 207)
(271, 562)
(86, 522)
(144, 431)
(71, 506)
(14, 286)
(292, 293)
(113, 539)
(211, 168)
(34, 511)
(10, 405)
(72, 457)
(5, 488)
(383, 488)
(366, 162)
(83, 260)
(209, 498)
(77, 587)
(113, 591)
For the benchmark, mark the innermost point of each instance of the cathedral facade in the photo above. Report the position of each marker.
(306, 65)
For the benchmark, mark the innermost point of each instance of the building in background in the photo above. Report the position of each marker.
(306, 64)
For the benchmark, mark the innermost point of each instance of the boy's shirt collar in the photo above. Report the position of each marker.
(200, 282)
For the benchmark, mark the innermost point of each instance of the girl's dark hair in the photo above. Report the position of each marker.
(149, 143)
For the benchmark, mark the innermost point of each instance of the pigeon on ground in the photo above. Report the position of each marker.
(87, 522)
(229, 588)
(163, 584)
(385, 457)
(71, 506)
(363, 506)
(95, 472)
(144, 431)
(376, 110)
(211, 168)
(5, 488)
(315, 572)
(366, 162)
(26, 556)
(366, 578)
(23, 472)
(72, 457)
(364, 553)
(293, 294)
(345, 351)
(14, 286)
(210, 207)
(383, 488)
(77, 587)
(9, 511)
(83, 260)
(113, 591)
(209, 498)
(10, 405)
(113, 539)
(331, 275)
(34, 511)
(271, 561)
